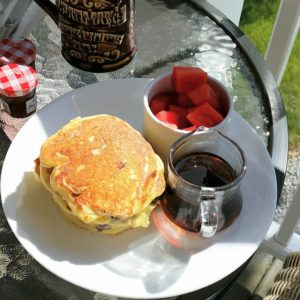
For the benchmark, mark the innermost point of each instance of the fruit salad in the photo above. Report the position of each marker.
(192, 103)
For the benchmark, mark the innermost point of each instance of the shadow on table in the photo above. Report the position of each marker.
(4, 145)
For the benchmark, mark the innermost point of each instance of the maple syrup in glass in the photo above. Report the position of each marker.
(205, 169)
(204, 175)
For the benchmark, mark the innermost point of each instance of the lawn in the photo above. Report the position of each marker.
(256, 22)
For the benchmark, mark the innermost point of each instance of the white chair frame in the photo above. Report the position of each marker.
(282, 239)
(283, 37)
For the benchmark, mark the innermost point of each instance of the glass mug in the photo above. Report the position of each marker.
(96, 35)
(205, 169)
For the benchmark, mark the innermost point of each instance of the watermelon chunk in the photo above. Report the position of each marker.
(185, 79)
(192, 108)
(208, 110)
(204, 115)
(169, 118)
(161, 102)
(200, 120)
(205, 93)
(184, 101)
(181, 112)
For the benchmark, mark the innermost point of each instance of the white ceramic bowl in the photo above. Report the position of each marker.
(160, 136)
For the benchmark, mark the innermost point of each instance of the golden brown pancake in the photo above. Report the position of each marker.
(102, 173)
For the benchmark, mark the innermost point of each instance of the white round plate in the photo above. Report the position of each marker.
(139, 263)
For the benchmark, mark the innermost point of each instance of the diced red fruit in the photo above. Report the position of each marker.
(160, 102)
(169, 117)
(173, 96)
(204, 115)
(184, 101)
(208, 110)
(200, 120)
(157, 106)
(194, 102)
(181, 112)
(192, 108)
(205, 93)
(185, 79)
(191, 128)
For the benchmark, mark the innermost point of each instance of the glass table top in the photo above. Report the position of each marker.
(169, 32)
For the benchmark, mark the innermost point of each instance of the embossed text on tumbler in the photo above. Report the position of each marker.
(96, 35)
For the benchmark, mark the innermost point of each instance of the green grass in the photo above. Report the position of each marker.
(258, 17)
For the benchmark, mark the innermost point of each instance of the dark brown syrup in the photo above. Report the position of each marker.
(205, 169)
(201, 169)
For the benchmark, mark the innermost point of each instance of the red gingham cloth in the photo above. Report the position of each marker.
(17, 50)
(17, 80)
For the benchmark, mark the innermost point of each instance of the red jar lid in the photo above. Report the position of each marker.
(17, 50)
(17, 80)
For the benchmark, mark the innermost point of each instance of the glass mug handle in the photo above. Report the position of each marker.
(209, 213)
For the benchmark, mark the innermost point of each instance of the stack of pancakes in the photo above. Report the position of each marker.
(102, 173)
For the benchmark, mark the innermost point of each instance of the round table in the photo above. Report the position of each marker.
(168, 33)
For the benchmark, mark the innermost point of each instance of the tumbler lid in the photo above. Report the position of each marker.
(17, 80)
(17, 50)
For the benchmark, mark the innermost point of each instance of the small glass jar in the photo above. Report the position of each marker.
(18, 90)
(205, 170)
(17, 50)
